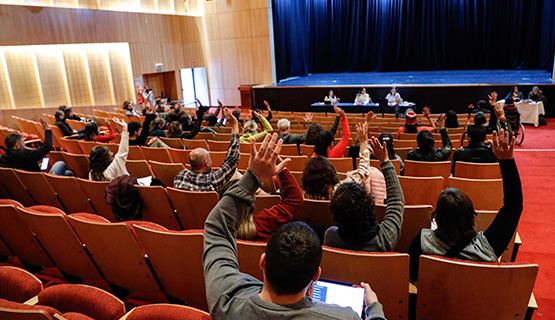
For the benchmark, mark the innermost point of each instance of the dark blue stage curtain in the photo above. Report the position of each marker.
(321, 36)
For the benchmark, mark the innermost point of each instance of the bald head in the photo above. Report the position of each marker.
(200, 160)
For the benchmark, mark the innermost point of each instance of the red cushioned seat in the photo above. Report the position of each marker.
(167, 312)
(18, 285)
(46, 209)
(20, 306)
(90, 217)
(10, 202)
(84, 299)
(76, 316)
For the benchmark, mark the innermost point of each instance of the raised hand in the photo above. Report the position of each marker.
(501, 146)
(339, 111)
(267, 104)
(426, 112)
(492, 98)
(470, 106)
(441, 121)
(498, 109)
(258, 115)
(369, 116)
(308, 117)
(263, 161)
(44, 124)
(231, 120)
(220, 103)
(369, 295)
(362, 132)
(378, 150)
(151, 141)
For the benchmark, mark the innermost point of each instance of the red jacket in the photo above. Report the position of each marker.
(269, 220)
(339, 149)
(109, 137)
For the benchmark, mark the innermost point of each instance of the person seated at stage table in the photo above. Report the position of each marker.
(426, 150)
(362, 97)
(201, 177)
(411, 122)
(537, 95)
(515, 94)
(477, 150)
(250, 129)
(320, 178)
(17, 156)
(331, 98)
(324, 142)
(455, 236)
(284, 127)
(393, 99)
(105, 168)
(353, 210)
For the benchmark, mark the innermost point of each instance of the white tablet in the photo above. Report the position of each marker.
(341, 294)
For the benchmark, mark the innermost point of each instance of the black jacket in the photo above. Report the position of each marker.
(27, 159)
(433, 154)
(479, 152)
(66, 129)
(141, 140)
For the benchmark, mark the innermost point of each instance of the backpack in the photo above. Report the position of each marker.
(124, 198)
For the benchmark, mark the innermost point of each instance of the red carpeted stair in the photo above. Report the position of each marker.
(536, 163)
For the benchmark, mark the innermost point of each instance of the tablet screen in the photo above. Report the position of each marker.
(342, 294)
(44, 164)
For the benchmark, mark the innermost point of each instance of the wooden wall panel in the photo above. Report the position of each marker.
(120, 77)
(52, 77)
(23, 79)
(100, 76)
(77, 78)
(5, 102)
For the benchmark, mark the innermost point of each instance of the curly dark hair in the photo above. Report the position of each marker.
(174, 130)
(100, 159)
(319, 177)
(313, 133)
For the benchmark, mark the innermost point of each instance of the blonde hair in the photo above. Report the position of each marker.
(247, 229)
(250, 127)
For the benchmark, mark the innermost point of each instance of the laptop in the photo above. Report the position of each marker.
(339, 293)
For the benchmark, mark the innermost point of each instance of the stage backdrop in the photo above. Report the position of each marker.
(315, 36)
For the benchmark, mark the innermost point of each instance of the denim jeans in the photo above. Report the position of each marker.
(60, 169)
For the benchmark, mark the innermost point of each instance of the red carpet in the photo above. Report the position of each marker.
(536, 160)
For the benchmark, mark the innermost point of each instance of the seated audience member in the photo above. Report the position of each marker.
(237, 114)
(103, 166)
(331, 98)
(481, 106)
(175, 131)
(92, 133)
(259, 226)
(284, 127)
(201, 177)
(515, 94)
(426, 150)
(411, 122)
(362, 97)
(66, 129)
(353, 210)
(451, 120)
(139, 137)
(314, 130)
(497, 118)
(480, 119)
(250, 129)
(320, 178)
(455, 236)
(255, 110)
(157, 128)
(387, 138)
(477, 149)
(324, 144)
(19, 157)
(130, 109)
(289, 265)
(68, 114)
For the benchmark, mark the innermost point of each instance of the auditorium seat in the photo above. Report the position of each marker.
(289, 150)
(217, 157)
(483, 220)
(18, 285)
(16, 188)
(376, 164)
(473, 290)
(166, 172)
(71, 146)
(244, 159)
(69, 193)
(405, 144)
(342, 164)
(95, 192)
(316, 212)
(415, 218)
(421, 190)
(192, 207)
(486, 194)
(204, 136)
(78, 163)
(401, 152)
(386, 273)
(39, 188)
(218, 145)
(117, 253)
(472, 170)
(248, 256)
(223, 136)
(156, 154)
(138, 168)
(172, 142)
(262, 202)
(135, 153)
(60, 241)
(193, 144)
(297, 162)
(157, 207)
(177, 260)
(54, 156)
(179, 156)
(57, 136)
(5, 252)
(306, 150)
(427, 169)
(166, 312)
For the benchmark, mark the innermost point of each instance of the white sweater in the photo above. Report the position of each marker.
(117, 167)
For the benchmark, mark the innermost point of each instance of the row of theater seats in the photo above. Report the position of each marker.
(145, 257)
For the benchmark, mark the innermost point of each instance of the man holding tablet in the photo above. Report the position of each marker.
(291, 262)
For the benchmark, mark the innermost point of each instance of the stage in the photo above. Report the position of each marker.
(439, 90)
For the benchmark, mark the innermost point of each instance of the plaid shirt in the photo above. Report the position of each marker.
(211, 180)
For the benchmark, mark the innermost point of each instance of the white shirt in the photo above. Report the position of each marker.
(362, 98)
(393, 98)
(117, 167)
(332, 100)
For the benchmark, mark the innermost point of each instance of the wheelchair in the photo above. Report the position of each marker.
(513, 117)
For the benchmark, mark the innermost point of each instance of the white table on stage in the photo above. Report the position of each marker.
(529, 111)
